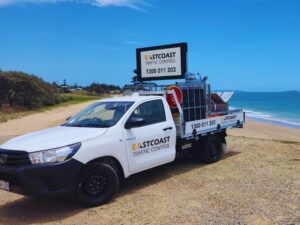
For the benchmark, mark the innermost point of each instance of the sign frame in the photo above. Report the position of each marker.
(183, 57)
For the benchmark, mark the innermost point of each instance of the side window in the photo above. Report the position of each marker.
(152, 112)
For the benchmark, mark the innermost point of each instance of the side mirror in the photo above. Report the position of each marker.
(68, 118)
(134, 122)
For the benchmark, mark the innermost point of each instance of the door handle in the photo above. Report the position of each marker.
(167, 128)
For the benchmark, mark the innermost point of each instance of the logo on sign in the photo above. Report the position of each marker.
(3, 158)
(171, 98)
(167, 55)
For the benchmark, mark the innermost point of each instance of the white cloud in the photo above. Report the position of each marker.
(134, 4)
(5, 2)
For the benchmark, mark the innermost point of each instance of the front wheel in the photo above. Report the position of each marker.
(97, 184)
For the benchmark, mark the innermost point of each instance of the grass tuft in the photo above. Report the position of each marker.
(287, 142)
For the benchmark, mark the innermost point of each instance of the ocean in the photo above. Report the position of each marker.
(281, 108)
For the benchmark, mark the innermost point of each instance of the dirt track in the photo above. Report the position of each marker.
(257, 182)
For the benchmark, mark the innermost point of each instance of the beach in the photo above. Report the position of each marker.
(260, 130)
(256, 182)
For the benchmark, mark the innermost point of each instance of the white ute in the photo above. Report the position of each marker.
(110, 140)
(89, 155)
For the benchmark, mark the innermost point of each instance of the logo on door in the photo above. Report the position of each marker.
(150, 146)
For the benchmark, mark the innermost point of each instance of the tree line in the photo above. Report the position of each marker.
(96, 88)
(22, 89)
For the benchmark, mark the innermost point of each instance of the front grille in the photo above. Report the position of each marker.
(8, 157)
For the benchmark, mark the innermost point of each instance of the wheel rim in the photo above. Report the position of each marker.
(95, 185)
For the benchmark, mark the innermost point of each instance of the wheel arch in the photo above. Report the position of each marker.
(113, 161)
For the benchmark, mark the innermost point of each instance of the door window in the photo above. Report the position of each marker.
(152, 112)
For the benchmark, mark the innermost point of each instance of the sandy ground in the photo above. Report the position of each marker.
(257, 182)
(254, 129)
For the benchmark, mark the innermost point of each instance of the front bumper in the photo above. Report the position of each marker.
(42, 180)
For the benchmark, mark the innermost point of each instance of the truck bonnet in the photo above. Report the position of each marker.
(52, 138)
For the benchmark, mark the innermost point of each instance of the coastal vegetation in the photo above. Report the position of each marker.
(22, 94)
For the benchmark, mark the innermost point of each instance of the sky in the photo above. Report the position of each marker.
(250, 45)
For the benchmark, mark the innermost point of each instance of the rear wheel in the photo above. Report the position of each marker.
(97, 184)
(209, 149)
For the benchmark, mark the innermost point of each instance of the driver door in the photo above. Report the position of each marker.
(153, 143)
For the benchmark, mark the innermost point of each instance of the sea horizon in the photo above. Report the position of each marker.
(279, 108)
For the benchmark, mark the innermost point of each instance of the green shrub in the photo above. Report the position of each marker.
(21, 89)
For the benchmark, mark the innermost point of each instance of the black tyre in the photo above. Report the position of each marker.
(209, 149)
(97, 184)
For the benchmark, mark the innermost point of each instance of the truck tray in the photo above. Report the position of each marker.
(233, 119)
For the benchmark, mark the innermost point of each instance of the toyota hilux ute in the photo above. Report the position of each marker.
(89, 155)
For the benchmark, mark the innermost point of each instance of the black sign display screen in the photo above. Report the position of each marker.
(162, 62)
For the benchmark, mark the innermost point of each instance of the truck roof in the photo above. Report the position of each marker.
(130, 98)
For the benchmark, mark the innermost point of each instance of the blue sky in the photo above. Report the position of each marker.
(249, 45)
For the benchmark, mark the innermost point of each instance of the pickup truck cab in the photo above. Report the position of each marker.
(89, 154)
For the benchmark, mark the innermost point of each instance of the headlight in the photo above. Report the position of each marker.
(54, 155)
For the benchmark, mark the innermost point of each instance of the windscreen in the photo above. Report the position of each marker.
(100, 114)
